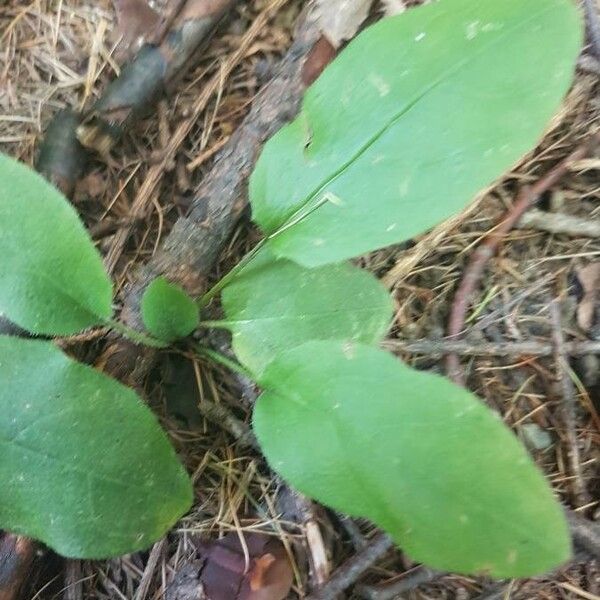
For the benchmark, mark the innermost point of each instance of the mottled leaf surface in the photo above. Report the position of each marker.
(52, 280)
(418, 113)
(277, 304)
(358, 430)
(168, 312)
(84, 464)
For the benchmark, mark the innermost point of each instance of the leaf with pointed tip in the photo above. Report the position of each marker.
(414, 117)
(277, 304)
(168, 312)
(84, 464)
(52, 280)
(358, 430)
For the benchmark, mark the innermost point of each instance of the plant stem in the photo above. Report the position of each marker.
(225, 280)
(135, 336)
(225, 361)
(297, 217)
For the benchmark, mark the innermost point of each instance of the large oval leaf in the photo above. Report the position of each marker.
(277, 304)
(417, 115)
(84, 465)
(52, 280)
(353, 427)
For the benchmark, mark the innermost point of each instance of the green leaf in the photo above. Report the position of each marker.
(168, 312)
(52, 280)
(276, 304)
(416, 116)
(84, 465)
(358, 430)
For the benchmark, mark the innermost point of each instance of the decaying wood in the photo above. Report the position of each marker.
(393, 7)
(588, 308)
(61, 158)
(322, 53)
(144, 80)
(193, 246)
(16, 557)
(147, 77)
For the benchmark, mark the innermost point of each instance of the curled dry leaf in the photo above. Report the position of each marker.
(589, 278)
(229, 574)
(340, 19)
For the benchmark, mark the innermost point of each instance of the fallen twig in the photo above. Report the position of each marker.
(141, 83)
(153, 559)
(465, 348)
(73, 580)
(224, 418)
(390, 591)
(559, 223)
(568, 393)
(497, 591)
(353, 568)
(190, 251)
(526, 198)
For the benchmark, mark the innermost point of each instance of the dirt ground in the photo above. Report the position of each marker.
(58, 53)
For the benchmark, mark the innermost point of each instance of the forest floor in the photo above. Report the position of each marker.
(58, 53)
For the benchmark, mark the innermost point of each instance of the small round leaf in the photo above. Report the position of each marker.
(168, 312)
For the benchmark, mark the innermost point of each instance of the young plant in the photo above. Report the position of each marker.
(417, 115)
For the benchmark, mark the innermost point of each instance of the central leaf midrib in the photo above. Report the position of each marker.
(306, 316)
(409, 106)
